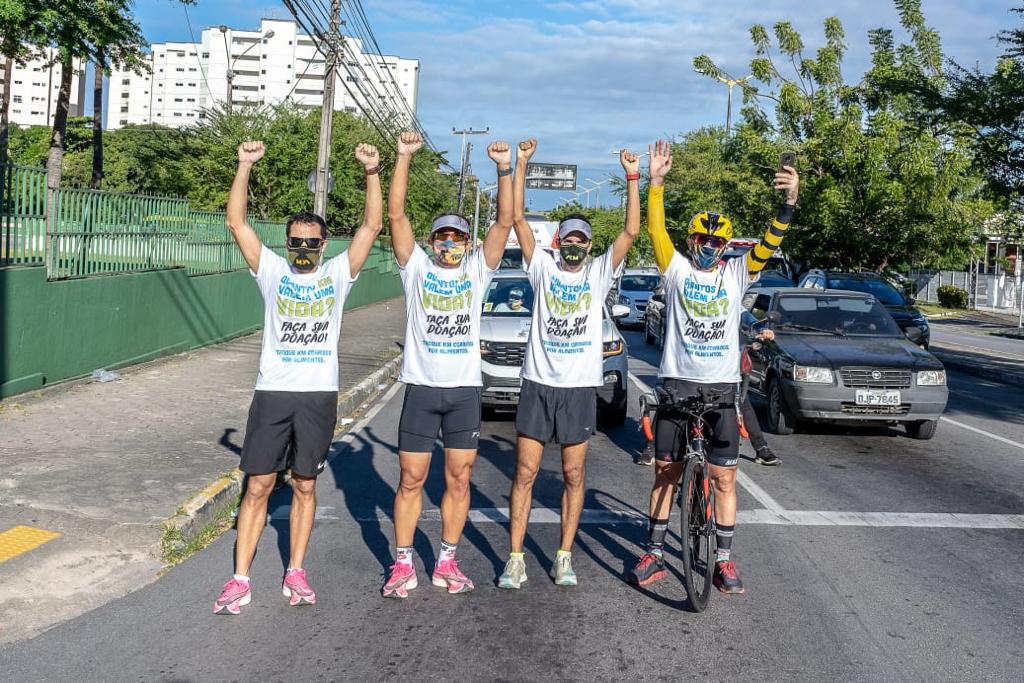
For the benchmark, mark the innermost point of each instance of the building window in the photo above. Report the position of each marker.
(191, 68)
(159, 99)
(124, 96)
(126, 81)
(191, 85)
(263, 87)
(124, 109)
(177, 114)
(191, 99)
(179, 85)
(177, 99)
(16, 98)
(263, 71)
(180, 68)
(124, 122)
(190, 115)
(206, 55)
(161, 70)
(191, 54)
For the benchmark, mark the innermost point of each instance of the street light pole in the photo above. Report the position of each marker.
(230, 73)
(462, 157)
(731, 82)
(323, 158)
(476, 211)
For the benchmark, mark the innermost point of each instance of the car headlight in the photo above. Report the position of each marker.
(812, 375)
(625, 300)
(931, 378)
(612, 348)
(485, 348)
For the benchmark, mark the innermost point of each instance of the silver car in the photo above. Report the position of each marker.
(505, 330)
(633, 291)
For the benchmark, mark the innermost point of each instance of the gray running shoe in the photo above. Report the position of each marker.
(562, 571)
(514, 575)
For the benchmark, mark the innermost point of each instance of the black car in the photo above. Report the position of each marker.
(654, 325)
(899, 305)
(838, 356)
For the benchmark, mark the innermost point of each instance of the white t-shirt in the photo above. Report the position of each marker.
(566, 337)
(442, 329)
(703, 326)
(301, 322)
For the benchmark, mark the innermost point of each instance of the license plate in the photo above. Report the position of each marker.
(873, 397)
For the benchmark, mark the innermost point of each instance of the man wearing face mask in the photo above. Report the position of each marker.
(441, 368)
(295, 405)
(514, 304)
(564, 361)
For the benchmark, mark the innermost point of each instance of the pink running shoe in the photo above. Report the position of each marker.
(297, 588)
(401, 581)
(448, 575)
(233, 598)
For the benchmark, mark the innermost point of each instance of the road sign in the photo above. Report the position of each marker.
(551, 177)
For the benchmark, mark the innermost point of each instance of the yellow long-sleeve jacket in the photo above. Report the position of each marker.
(663, 248)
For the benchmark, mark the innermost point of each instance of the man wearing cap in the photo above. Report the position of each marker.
(441, 368)
(514, 304)
(564, 360)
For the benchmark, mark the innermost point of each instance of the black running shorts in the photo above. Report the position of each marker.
(562, 415)
(289, 429)
(670, 427)
(452, 411)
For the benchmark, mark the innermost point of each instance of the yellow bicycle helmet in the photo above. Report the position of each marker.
(707, 237)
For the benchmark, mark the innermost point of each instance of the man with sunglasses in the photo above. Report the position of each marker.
(295, 406)
(564, 362)
(514, 303)
(441, 368)
(702, 357)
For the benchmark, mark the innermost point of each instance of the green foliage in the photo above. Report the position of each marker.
(198, 163)
(880, 187)
(952, 297)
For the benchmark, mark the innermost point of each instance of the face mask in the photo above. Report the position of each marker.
(449, 252)
(304, 259)
(704, 256)
(572, 254)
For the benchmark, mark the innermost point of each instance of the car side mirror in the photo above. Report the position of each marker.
(914, 334)
(660, 298)
(619, 311)
(774, 317)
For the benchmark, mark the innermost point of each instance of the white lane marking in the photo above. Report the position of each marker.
(942, 520)
(982, 432)
(350, 434)
(322, 512)
(742, 478)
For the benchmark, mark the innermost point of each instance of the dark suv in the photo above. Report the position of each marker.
(899, 306)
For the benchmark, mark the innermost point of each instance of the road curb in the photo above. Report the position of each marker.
(1014, 378)
(209, 504)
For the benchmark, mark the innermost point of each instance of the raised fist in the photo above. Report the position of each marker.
(500, 153)
(526, 150)
(409, 143)
(630, 162)
(789, 180)
(367, 155)
(661, 160)
(251, 151)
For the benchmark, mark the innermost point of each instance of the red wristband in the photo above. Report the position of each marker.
(632, 176)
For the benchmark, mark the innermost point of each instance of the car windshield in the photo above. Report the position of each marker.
(834, 315)
(639, 283)
(879, 289)
(512, 259)
(509, 297)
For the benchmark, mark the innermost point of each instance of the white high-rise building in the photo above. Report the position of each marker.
(268, 66)
(36, 85)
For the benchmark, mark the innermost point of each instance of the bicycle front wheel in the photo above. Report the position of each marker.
(698, 533)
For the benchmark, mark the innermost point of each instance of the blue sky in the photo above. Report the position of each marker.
(589, 76)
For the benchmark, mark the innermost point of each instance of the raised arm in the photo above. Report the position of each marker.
(373, 211)
(497, 237)
(402, 239)
(249, 152)
(661, 164)
(524, 232)
(788, 180)
(631, 164)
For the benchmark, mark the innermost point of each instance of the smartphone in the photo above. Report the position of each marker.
(787, 159)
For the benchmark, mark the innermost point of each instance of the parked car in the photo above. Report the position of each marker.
(633, 290)
(655, 314)
(899, 305)
(505, 330)
(838, 356)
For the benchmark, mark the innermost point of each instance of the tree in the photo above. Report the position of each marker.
(20, 29)
(882, 187)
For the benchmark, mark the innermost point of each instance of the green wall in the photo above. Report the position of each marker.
(53, 331)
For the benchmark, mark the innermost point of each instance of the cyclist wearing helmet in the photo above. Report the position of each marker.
(702, 356)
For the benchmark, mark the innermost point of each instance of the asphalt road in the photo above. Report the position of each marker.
(882, 597)
(966, 334)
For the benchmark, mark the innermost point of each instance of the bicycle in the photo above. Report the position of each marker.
(695, 494)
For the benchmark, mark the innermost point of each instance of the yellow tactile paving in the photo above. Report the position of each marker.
(21, 539)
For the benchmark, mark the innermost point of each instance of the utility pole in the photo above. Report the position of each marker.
(463, 156)
(476, 212)
(323, 159)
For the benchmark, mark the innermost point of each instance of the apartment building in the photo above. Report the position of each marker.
(274, 64)
(35, 87)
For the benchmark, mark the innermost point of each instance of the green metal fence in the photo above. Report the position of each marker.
(93, 232)
(22, 215)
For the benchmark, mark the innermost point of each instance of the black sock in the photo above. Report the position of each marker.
(724, 535)
(656, 530)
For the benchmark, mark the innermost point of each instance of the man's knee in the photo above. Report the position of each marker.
(457, 480)
(573, 476)
(304, 487)
(525, 475)
(724, 482)
(412, 482)
(258, 487)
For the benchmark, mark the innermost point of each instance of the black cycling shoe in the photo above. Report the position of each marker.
(766, 457)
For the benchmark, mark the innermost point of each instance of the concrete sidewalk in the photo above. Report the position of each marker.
(106, 464)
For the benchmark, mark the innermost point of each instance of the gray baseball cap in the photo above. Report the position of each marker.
(451, 220)
(570, 225)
